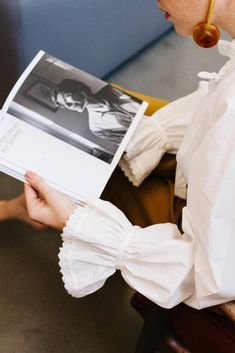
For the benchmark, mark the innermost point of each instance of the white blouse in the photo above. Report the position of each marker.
(168, 267)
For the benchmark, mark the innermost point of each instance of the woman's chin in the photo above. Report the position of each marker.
(183, 31)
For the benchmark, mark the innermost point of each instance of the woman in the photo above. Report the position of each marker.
(167, 266)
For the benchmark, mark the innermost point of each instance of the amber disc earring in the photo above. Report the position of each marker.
(205, 34)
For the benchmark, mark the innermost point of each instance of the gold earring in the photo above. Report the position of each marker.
(205, 34)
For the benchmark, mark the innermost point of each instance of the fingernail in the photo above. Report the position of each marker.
(29, 175)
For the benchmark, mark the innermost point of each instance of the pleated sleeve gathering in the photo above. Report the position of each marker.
(160, 133)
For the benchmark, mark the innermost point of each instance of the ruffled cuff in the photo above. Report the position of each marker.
(85, 259)
(144, 151)
(98, 239)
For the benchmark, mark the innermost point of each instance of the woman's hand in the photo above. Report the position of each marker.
(46, 205)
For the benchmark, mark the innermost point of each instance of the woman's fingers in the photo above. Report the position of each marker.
(36, 193)
(32, 202)
(46, 205)
(30, 194)
(38, 184)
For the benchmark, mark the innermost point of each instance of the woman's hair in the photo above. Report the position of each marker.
(77, 89)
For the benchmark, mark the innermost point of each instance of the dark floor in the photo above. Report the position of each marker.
(38, 316)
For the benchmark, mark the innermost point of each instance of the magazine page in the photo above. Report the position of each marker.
(66, 122)
(24, 147)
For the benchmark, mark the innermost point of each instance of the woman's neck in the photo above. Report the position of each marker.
(225, 18)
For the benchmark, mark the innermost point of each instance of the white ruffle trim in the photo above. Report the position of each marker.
(66, 271)
(145, 152)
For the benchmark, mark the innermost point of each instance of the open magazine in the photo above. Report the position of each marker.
(66, 125)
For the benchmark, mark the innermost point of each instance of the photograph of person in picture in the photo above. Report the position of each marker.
(75, 106)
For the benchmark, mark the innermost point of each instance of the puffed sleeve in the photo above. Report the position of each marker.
(160, 133)
(98, 239)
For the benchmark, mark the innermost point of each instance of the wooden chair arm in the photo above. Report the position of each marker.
(228, 310)
(154, 103)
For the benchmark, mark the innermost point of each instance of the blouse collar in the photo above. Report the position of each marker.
(225, 48)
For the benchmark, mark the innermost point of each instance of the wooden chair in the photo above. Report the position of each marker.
(183, 329)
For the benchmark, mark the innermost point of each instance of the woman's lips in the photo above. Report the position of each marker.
(167, 15)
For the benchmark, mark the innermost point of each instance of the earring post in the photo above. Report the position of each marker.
(210, 11)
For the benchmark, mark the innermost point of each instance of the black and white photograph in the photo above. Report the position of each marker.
(75, 107)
